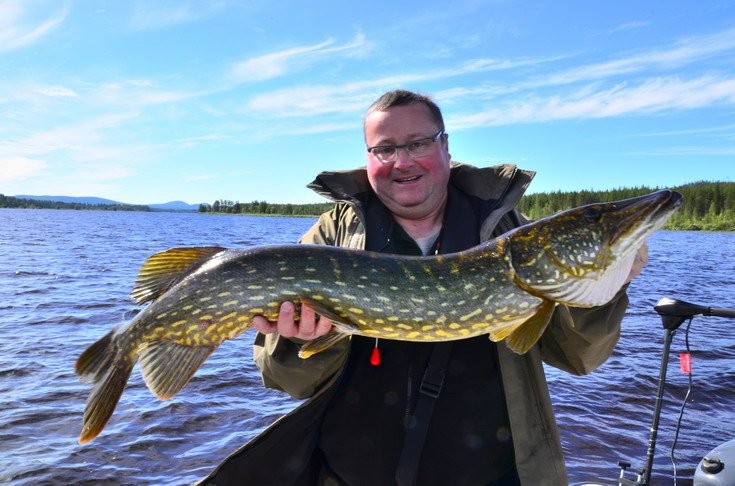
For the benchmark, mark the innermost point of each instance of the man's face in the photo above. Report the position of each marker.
(409, 187)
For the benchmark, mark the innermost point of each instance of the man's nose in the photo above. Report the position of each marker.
(403, 160)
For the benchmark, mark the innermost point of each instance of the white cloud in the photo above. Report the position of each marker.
(357, 96)
(58, 91)
(652, 96)
(19, 26)
(277, 64)
(15, 168)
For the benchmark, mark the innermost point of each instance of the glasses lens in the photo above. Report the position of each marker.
(386, 154)
(419, 148)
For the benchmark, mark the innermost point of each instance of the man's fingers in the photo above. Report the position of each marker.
(286, 325)
(323, 326)
(262, 325)
(307, 322)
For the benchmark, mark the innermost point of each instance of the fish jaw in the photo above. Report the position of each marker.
(583, 256)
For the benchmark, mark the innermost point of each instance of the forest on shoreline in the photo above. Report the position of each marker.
(708, 206)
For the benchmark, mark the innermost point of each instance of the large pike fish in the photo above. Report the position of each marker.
(506, 288)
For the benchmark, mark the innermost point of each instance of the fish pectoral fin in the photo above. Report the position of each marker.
(163, 270)
(168, 366)
(526, 334)
(328, 313)
(319, 344)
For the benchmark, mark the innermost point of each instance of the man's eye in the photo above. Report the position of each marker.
(418, 144)
(384, 151)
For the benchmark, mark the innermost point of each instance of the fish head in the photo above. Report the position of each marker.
(582, 257)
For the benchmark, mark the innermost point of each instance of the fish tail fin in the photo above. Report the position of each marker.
(526, 335)
(96, 359)
(103, 399)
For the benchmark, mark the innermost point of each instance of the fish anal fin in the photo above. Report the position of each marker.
(164, 269)
(526, 334)
(319, 344)
(168, 366)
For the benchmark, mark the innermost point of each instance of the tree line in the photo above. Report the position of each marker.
(708, 206)
(265, 208)
(14, 202)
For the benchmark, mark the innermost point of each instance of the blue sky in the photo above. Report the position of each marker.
(152, 101)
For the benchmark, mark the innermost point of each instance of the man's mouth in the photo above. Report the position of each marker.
(406, 180)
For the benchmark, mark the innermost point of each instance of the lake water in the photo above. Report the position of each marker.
(65, 277)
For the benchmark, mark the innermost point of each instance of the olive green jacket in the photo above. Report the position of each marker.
(576, 340)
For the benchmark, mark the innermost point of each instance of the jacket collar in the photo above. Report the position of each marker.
(497, 189)
(496, 182)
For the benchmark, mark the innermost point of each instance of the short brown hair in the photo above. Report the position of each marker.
(402, 97)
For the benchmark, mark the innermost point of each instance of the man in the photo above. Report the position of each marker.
(487, 418)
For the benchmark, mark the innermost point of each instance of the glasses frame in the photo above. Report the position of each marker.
(434, 138)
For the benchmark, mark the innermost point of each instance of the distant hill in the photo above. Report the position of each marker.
(169, 206)
(175, 206)
(73, 200)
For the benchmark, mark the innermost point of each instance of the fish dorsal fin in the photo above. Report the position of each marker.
(162, 270)
(168, 366)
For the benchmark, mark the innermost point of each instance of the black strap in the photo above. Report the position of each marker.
(417, 424)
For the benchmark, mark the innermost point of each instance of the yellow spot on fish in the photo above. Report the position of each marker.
(393, 319)
(257, 297)
(470, 315)
(228, 316)
(404, 326)
(371, 331)
(379, 321)
(427, 327)
(412, 335)
(355, 310)
(187, 307)
(388, 329)
(205, 299)
(230, 302)
(443, 333)
(464, 332)
(480, 325)
(223, 294)
(178, 323)
(454, 325)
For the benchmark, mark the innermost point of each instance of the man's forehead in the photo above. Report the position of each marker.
(392, 122)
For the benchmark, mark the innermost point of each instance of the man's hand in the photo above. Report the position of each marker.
(310, 325)
(640, 261)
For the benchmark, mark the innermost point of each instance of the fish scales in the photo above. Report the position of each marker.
(506, 288)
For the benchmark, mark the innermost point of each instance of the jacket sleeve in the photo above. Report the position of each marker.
(277, 357)
(579, 340)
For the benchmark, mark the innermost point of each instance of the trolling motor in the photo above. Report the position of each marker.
(673, 314)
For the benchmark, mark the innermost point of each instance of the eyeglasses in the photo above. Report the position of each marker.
(416, 149)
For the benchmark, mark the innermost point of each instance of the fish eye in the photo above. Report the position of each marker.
(592, 214)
